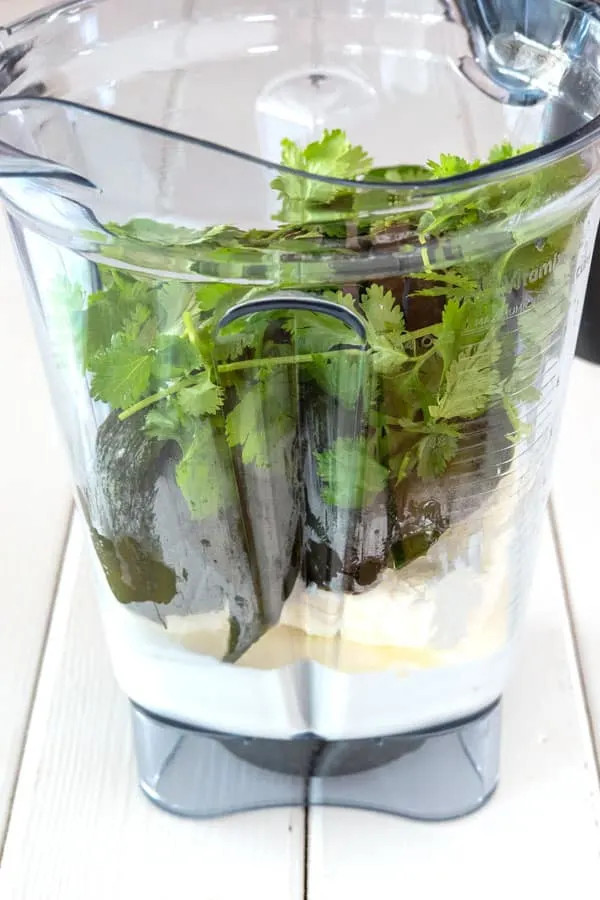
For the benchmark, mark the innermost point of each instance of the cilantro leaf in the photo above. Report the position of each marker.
(161, 233)
(435, 451)
(203, 398)
(351, 477)
(138, 325)
(520, 386)
(382, 312)
(203, 474)
(332, 156)
(452, 336)
(163, 422)
(240, 336)
(173, 356)
(122, 375)
(543, 318)
(505, 150)
(261, 419)
(342, 376)
(472, 382)
(108, 312)
(172, 299)
(388, 360)
(466, 321)
(474, 206)
(385, 330)
(68, 293)
(450, 165)
(213, 294)
(340, 297)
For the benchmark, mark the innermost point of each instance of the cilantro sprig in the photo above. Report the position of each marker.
(332, 157)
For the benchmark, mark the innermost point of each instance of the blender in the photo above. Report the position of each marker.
(307, 279)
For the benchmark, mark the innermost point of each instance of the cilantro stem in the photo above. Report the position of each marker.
(190, 329)
(425, 256)
(268, 362)
(421, 332)
(419, 360)
(158, 396)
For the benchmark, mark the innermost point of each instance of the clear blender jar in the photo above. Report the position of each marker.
(307, 281)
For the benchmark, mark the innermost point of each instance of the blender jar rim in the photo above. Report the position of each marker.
(521, 164)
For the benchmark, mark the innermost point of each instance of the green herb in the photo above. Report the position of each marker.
(435, 451)
(443, 345)
(262, 418)
(352, 477)
(383, 315)
(332, 156)
(471, 383)
(201, 399)
(122, 374)
(202, 474)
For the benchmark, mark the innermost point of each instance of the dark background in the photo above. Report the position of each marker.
(588, 343)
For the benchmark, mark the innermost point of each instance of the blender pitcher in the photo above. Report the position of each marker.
(307, 278)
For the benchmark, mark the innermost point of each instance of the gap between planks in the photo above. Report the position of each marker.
(575, 499)
(577, 654)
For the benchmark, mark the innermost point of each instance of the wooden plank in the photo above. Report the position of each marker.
(35, 500)
(80, 825)
(537, 836)
(576, 500)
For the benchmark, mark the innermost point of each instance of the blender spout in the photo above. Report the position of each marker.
(15, 103)
(18, 164)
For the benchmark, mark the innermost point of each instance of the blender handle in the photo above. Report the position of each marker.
(283, 300)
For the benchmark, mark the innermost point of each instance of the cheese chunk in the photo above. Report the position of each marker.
(206, 633)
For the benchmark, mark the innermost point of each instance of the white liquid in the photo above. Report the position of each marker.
(429, 644)
(303, 697)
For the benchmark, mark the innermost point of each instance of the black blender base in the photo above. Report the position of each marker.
(435, 774)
